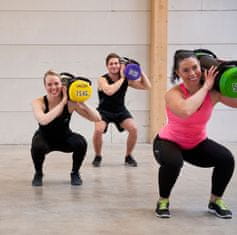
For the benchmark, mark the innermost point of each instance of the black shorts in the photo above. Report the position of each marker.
(116, 118)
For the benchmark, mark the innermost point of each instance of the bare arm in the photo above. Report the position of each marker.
(38, 108)
(86, 111)
(109, 89)
(46, 118)
(142, 83)
(185, 107)
(231, 102)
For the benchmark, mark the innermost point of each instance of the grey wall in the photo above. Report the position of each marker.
(76, 35)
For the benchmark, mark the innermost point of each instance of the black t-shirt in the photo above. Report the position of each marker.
(115, 102)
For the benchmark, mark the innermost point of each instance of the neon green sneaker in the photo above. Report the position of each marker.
(219, 209)
(162, 209)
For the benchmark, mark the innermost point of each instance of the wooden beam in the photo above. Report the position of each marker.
(158, 65)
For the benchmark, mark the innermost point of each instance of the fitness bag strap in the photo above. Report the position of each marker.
(67, 74)
(229, 63)
(133, 61)
(83, 79)
(226, 64)
(124, 60)
(128, 61)
(202, 52)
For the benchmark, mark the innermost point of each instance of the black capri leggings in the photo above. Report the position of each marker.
(71, 143)
(206, 154)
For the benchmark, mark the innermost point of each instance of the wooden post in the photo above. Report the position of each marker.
(158, 65)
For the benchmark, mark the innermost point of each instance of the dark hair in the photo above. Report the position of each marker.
(110, 56)
(178, 57)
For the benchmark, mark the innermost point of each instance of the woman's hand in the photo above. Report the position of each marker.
(64, 93)
(209, 76)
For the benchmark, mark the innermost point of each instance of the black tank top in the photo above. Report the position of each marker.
(59, 127)
(115, 102)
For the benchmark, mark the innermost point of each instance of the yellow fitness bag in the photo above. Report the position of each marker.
(79, 89)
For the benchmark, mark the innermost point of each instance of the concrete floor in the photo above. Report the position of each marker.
(114, 199)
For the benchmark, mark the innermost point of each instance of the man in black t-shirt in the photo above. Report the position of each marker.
(112, 89)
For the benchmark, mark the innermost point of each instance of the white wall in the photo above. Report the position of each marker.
(207, 24)
(66, 35)
(76, 35)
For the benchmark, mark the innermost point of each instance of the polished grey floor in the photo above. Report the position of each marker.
(113, 199)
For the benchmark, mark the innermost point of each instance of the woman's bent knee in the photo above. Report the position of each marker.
(79, 143)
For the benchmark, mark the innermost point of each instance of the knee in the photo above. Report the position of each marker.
(174, 166)
(171, 165)
(165, 158)
(229, 160)
(98, 132)
(82, 144)
(38, 145)
(170, 169)
(38, 149)
(79, 146)
(132, 130)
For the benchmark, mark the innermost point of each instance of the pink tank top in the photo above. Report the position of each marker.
(188, 132)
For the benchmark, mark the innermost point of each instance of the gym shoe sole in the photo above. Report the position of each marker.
(131, 165)
(216, 209)
(162, 209)
(214, 212)
(130, 161)
(37, 180)
(97, 161)
(76, 180)
(163, 216)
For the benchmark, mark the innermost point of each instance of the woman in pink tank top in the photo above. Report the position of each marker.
(189, 106)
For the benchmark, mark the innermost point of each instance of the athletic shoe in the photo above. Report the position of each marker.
(97, 161)
(76, 179)
(219, 209)
(129, 161)
(37, 180)
(162, 209)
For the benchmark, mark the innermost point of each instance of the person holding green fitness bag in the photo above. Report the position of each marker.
(189, 106)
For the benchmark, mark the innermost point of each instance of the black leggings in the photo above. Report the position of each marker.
(206, 154)
(72, 143)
